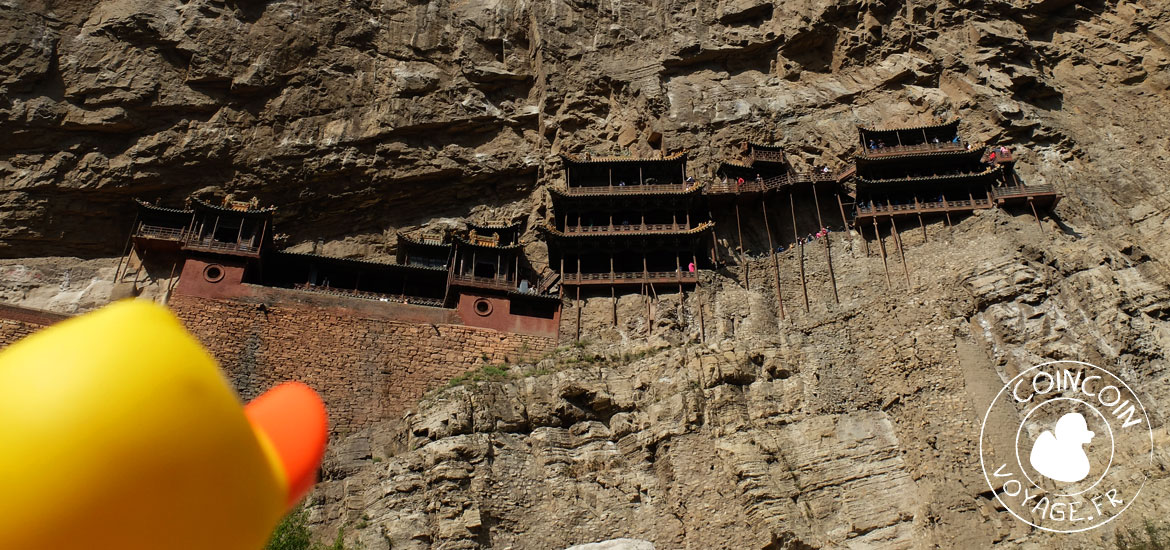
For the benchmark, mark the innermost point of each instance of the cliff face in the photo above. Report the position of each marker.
(846, 425)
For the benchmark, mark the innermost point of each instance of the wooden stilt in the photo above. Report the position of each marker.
(1035, 213)
(126, 250)
(613, 299)
(832, 277)
(578, 338)
(772, 252)
(792, 210)
(742, 252)
(877, 232)
(817, 203)
(803, 286)
(844, 221)
(651, 298)
(923, 226)
(864, 241)
(901, 253)
(714, 242)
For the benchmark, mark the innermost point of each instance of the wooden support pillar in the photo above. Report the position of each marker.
(714, 242)
(742, 253)
(772, 252)
(832, 277)
(613, 300)
(803, 285)
(877, 232)
(844, 222)
(817, 204)
(792, 210)
(699, 300)
(1035, 213)
(864, 240)
(578, 339)
(650, 309)
(946, 209)
(901, 253)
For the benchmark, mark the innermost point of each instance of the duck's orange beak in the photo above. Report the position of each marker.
(293, 419)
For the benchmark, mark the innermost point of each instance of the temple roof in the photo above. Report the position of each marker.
(200, 204)
(992, 170)
(952, 124)
(506, 247)
(419, 242)
(554, 232)
(575, 159)
(494, 225)
(974, 152)
(147, 206)
(762, 147)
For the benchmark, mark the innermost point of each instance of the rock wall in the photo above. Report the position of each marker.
(366, 367)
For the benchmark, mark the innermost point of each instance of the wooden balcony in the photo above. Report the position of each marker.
(158, 233)
(630, 278)
(626, 228)
(501, 282)
(899, 150)
(916, 208)
(602, 190)
(211, 245)
(768, 184)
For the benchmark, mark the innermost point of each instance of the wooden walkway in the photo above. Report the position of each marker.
(630, 278)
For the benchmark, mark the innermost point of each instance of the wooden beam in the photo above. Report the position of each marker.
(817, 204)
(882, 247)
(803, 286)
(772, 252)
(742, 253)
(1035, 213)
(578, 339)
(832, 277)
(613, 300)
(844, 222)
(901, 253)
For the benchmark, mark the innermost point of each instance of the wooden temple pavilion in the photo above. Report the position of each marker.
(931, 170)
(226, 252)
(627, 221)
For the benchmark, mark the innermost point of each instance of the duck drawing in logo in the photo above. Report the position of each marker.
(1061, 456)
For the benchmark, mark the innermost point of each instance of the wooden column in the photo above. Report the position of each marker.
(832, 277)
(1035, 213)
(844, 221)
(877, 232)
(817, 204)
(699, 300)
(946, 208)
(742, 253)
(772, 252)
(901, 252)
(918, 210)
(799, 250)
(578, 298)
(613, 300)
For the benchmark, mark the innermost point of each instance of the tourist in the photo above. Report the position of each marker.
(956, 141)
(871, 145)
(881, 144)
(759, 179)
(622, 183)
(935, 140)
(991, 157)
(739, 182)
(691, 267)
(690, 180)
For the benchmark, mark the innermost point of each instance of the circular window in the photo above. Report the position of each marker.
(483, 307)
(213, 273)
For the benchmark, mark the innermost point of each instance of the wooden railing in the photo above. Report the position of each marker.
(625, 276)
(923, 207)
(484, 240)
(626, 228)
(631, 189)
(501, 282)
(367, 295)
(1022, 191)
(161, 233)
(766, 184)
(212, 245)
(894, 150)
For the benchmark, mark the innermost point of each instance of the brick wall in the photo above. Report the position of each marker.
(18, 322)
(367, 367)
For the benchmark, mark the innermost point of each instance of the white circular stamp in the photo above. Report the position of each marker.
(1066, 446)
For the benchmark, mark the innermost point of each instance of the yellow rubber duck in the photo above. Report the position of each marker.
(118, 432)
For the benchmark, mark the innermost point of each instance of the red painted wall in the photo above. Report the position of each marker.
(501, 315)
